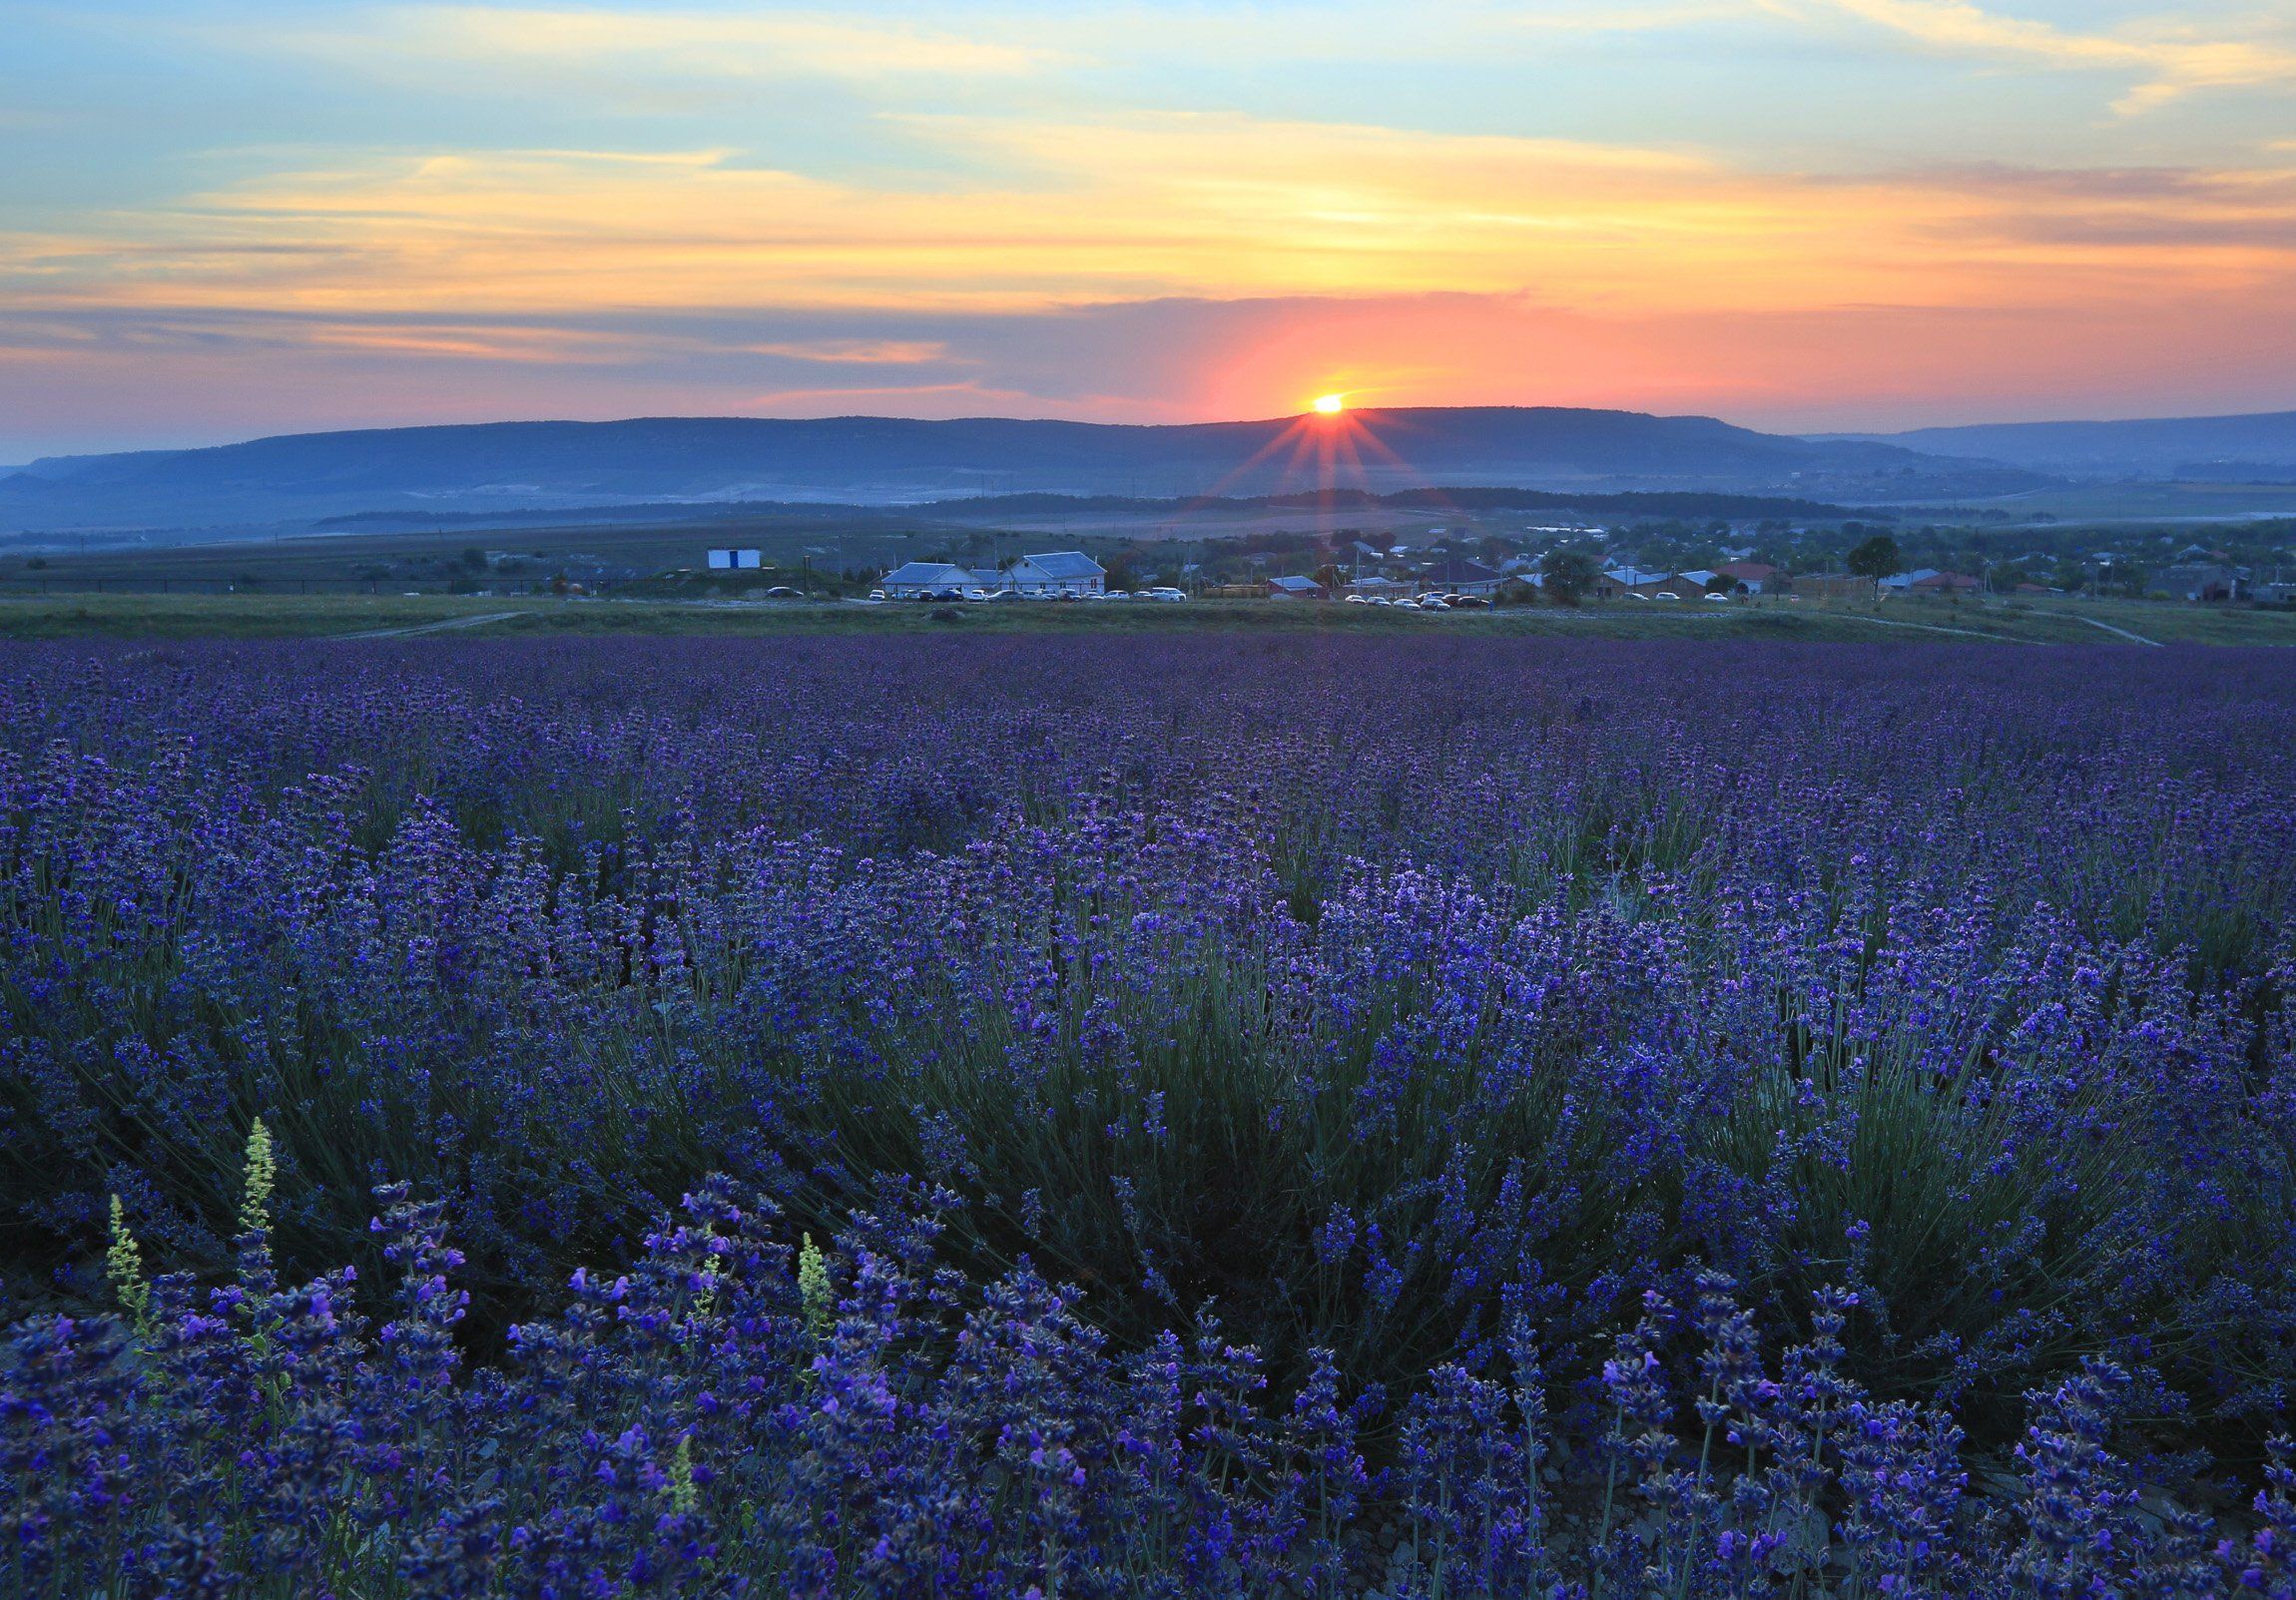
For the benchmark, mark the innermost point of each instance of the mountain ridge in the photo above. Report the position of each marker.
(2171, 446)
(541, 465)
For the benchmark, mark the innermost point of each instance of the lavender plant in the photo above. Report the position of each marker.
(1143, 1116)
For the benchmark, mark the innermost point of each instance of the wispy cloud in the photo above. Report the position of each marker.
(696, 43)
(2169, 58)
(937, 397)
(855, 353)
(1608, 16)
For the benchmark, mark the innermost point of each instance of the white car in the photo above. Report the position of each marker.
(1718, 596)
(1166, 595)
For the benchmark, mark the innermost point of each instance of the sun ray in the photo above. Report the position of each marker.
(1361, 429)
(1235, 474)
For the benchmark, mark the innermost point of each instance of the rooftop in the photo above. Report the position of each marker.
(1065, 564)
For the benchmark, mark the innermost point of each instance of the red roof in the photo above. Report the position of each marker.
(1747, 571)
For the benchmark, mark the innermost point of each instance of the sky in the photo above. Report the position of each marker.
(219, 220)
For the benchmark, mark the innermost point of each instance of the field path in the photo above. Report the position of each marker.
(433, 627)
(1934, 628)
(2134, 639)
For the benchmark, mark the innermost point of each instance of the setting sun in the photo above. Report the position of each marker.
(1331, 404)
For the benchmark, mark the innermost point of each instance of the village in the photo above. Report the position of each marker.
(1435, 576)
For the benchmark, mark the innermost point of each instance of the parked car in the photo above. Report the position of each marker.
(1471, 602)
(1357, 600)
(1718, 596)
(782, 591)
(877, 594)
(1434, 602)
(1668, 594)
(1167, 595)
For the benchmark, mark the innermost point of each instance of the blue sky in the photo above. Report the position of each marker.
(225, 220)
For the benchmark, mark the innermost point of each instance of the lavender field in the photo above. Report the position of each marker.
(1147, 1116)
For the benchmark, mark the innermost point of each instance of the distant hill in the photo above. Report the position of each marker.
(543, 467)
(984, 509)
(2255, 449)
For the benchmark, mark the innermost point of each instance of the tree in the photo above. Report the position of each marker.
(1876, 558)
(1569, 574)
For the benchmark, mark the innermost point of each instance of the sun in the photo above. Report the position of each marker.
(1331, 404)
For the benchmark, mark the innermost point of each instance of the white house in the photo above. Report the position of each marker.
(1057, 572)
(915, 578)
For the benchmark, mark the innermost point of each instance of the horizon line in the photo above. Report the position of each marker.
(1280, 418)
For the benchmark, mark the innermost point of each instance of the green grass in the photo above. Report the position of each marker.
(225, 616)
(2067, 620)
(2039, 621)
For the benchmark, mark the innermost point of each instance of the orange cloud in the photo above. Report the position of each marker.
(1216, 205)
